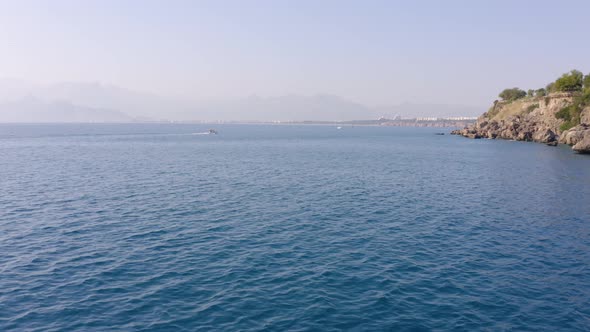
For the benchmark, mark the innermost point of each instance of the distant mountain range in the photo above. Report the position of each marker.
(32, 109)
(96, 102)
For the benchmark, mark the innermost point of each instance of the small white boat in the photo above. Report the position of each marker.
(208, 132)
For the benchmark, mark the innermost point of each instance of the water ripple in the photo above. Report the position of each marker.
(290, 228)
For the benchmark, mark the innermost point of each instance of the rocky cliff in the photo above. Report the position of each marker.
(532, 119)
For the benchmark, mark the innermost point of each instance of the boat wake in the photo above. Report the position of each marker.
(208, 132)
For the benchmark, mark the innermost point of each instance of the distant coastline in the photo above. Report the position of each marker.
(450, 122)
(454, 122)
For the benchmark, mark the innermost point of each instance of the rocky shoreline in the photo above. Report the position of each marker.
(532, 119)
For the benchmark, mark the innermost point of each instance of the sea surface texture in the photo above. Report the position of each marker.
(300, 228)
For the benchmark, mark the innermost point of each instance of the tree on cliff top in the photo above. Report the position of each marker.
(512, 94)
(571, 114)
(569, 82)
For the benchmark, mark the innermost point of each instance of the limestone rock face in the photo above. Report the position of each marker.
(528, 119)
(583, 146)
(575, 135)
(545, 136)
(585, 116)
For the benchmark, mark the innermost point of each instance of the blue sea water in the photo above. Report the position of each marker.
(301, 228)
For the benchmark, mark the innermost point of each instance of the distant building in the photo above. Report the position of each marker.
(461, 118)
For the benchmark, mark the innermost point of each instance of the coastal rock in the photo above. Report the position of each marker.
(585, 116)
(529, 119)
(523, 136)
(544, 136)
(570, 137)
(583, 146)
(574, 135)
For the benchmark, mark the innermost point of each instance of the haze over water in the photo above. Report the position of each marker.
(277, 60)
(151, 228)
(118, 213)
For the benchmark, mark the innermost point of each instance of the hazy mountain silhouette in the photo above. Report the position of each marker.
(114, 104)
(31, 109)
(282, 108)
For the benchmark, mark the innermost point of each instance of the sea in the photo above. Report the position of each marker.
(163, 227)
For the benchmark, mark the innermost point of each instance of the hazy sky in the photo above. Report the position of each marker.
(374, 52)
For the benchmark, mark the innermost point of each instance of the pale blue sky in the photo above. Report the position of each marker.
(373, 52)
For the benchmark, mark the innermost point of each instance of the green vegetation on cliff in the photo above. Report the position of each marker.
(512, 94)
(569, 82)
(575, 82)
(571, 114)
(540, 92)
(531, 108)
